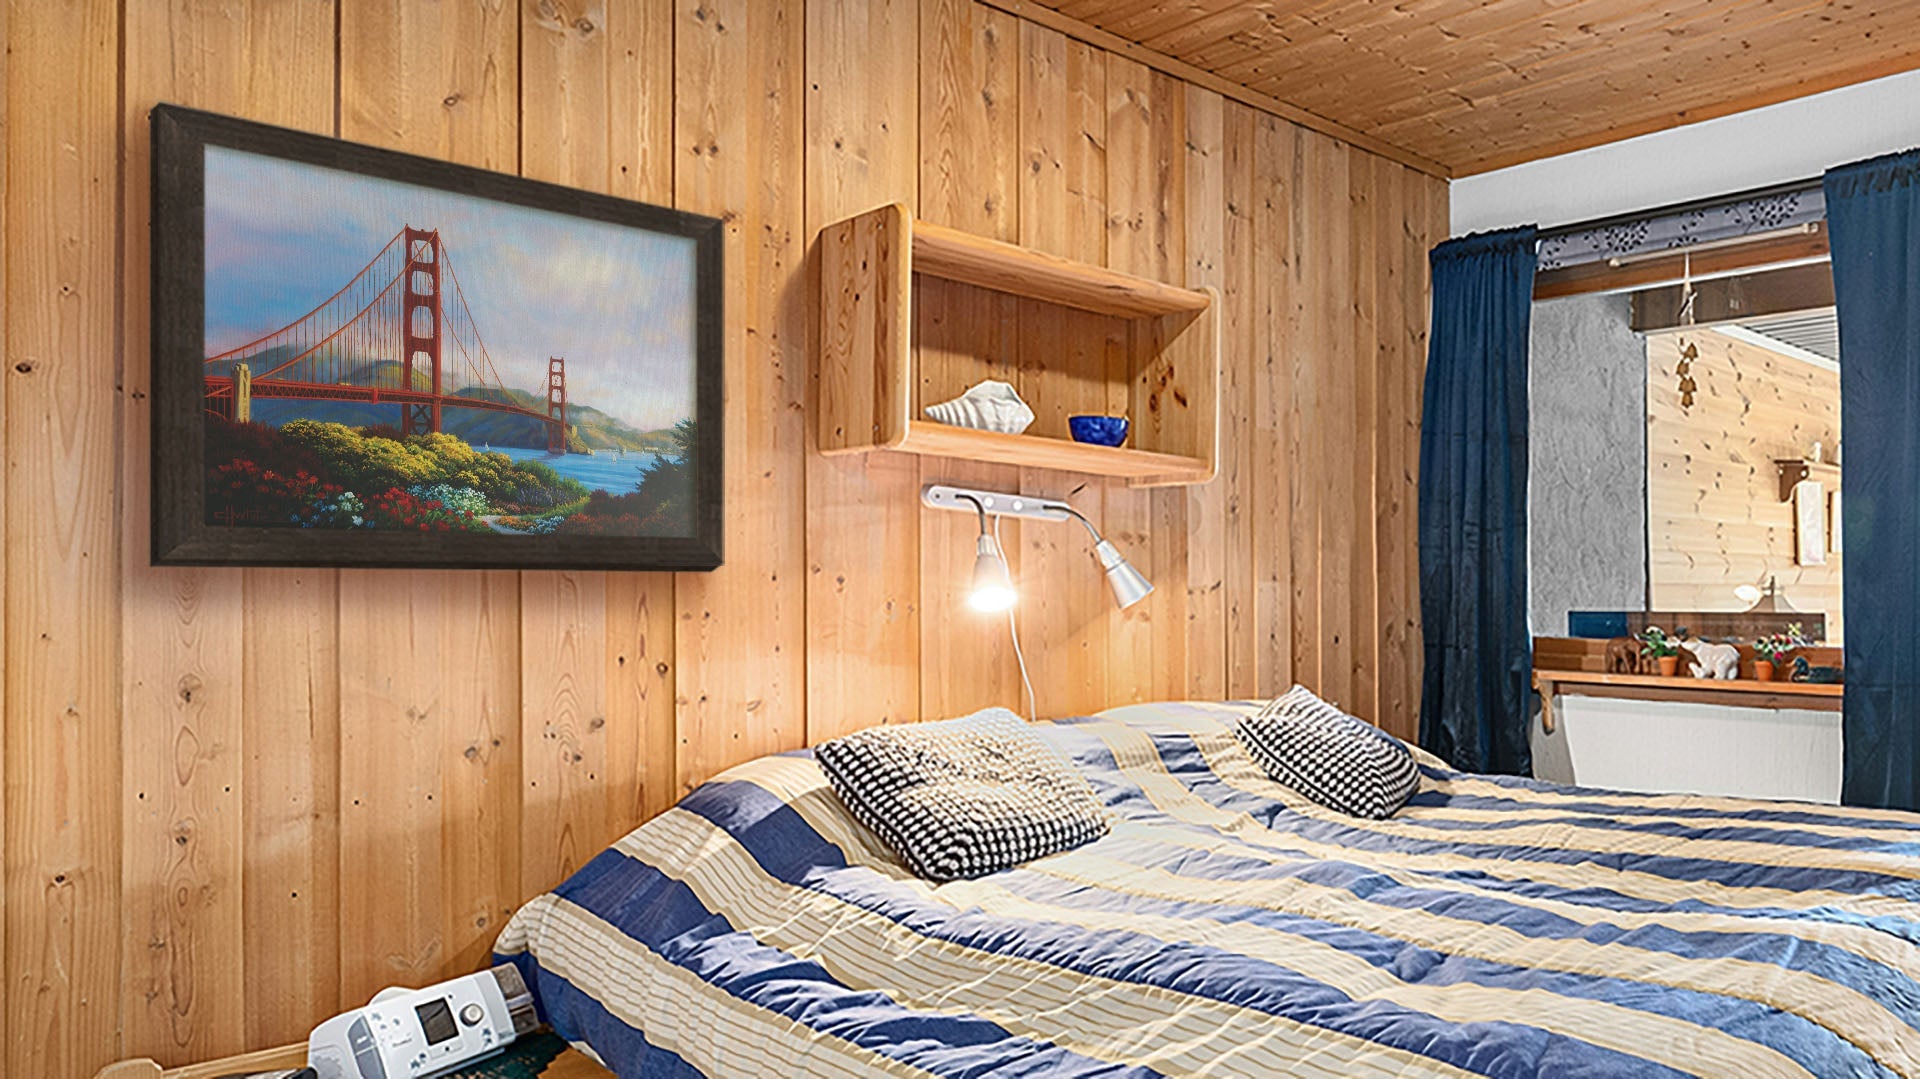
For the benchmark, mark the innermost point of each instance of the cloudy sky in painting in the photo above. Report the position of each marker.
(616, 302)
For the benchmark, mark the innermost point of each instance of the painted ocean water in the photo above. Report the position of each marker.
(600, 471)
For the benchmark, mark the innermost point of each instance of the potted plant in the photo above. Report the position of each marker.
(1769, 650)
(1662, 649)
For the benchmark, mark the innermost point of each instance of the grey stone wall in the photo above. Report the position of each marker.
(1587, 488)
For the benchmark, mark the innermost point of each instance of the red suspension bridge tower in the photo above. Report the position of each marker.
(420, 328)
(404, 308)
(556, 404)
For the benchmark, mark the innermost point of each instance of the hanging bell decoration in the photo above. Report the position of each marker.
(1688, 351)
(1684, 368)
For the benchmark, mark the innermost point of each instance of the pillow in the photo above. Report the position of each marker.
(962, 798)
(1341, 762)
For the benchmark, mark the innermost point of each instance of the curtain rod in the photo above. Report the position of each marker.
(1808, 228)
(1789, 187)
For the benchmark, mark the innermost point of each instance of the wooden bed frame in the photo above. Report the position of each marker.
(570, 1064)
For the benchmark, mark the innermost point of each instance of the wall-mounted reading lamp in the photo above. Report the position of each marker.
(992, 586)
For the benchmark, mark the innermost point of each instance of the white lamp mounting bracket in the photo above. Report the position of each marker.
(993, 503)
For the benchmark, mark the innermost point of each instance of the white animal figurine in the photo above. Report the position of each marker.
(1721, 661)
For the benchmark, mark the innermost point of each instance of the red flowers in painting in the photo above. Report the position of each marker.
(398, 509)
(269, 494)
(306, 500)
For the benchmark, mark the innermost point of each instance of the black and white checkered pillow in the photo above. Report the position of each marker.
(1344, 763)
(962, 798)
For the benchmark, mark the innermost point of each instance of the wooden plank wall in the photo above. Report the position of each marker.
(1715, 520)
(237, 801)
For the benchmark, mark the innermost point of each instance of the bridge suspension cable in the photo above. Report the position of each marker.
(388, 334)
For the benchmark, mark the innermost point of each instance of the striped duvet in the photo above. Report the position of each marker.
(1227, 927)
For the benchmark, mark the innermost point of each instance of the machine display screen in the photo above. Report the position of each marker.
(436, 1020)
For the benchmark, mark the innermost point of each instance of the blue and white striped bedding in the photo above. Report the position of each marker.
(1228, 927)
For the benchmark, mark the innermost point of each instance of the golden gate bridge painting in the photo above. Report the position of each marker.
(395, 301)
(489, 369)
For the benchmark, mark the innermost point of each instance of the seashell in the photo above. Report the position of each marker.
(990, 406)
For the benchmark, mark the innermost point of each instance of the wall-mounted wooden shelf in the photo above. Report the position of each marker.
(941, 440)
(1142, 346)
(1577, 667)
(1737, 693)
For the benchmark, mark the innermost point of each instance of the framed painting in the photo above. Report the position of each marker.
(366, 358)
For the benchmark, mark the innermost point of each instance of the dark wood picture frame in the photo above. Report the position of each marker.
(182, 535)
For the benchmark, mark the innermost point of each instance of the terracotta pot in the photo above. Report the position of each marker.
(1763, 670)
(1668, 665)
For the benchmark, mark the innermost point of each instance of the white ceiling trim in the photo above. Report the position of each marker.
(1774, 344)
(1777, 144)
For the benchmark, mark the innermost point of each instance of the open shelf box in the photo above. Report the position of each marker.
(913, 314)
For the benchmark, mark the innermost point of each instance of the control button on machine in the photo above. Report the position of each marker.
(472, 1014)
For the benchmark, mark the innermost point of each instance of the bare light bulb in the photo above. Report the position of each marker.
(992, 586)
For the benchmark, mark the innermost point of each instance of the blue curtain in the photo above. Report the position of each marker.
(1476, 699)
(1873, 221)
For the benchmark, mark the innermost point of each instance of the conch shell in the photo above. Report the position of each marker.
(990, 406)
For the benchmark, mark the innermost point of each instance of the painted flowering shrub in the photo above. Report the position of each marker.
(463, 499)
(269, 495)
(396, 509)
(325, 475)
(309, 474)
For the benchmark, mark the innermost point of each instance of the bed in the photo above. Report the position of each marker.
(1226, 926)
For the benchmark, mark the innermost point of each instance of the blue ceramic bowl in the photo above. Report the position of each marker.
(1099, 430)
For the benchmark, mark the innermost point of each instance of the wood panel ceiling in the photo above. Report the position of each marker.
(1481, 84)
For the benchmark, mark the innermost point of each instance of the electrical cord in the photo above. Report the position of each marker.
(1013, 631)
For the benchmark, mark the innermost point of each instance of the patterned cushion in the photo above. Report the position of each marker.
(1344, 763)
(962, 798)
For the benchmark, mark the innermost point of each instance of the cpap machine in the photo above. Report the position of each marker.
(422, 1033)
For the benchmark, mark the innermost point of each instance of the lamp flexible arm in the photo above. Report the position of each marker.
(1078, 516)
(981, 509)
